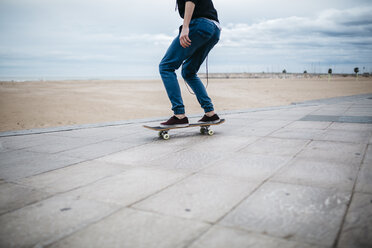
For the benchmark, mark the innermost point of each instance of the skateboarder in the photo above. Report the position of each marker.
(199, 33)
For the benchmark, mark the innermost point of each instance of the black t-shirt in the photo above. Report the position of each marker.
(203, 8)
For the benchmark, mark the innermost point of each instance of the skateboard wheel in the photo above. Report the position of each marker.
(166, 136)
(210, 132)
(160, 134)
(203, 130)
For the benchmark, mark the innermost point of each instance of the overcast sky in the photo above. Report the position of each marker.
(120, 38)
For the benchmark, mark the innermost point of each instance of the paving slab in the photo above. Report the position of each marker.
(364, 182)
(330, 111)
(189, 161)
(357, 229)
(302, 110)
(238, 127)
(96, 150)
(59, 144)
(345, 136)
(35, 140)
(250, 167)
(368, 156)
(19, 164)
(132, 228)
(140, 137)
(298, 133)
(14, 196)
(271, 123)
(201, 197)
(129, 186)
(309, 125)
(142, 154)
(359, 112)
(333, 152)
(99, 133)
(292, 212)
(250, 131)
(284, 116)
(224, 144)
(362, 105)
(71, 177)
(276, 146)
(278, 176)
(222, 237)
(339, 118)
(351, 126)
(47, 221)
(319, 173)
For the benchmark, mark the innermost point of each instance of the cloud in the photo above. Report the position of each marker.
(62, 35)
(331, 25)
(331, 37)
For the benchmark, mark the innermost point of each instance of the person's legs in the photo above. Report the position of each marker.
(172, 60)
(191, 66)
(200, 34)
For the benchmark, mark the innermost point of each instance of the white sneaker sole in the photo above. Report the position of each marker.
(209, 122)
(177, 125)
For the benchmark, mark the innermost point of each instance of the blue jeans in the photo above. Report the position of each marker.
(204, 35)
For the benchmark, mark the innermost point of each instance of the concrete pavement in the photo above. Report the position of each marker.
(288, 176)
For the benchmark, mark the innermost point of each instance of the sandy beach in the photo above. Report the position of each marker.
(27, 105)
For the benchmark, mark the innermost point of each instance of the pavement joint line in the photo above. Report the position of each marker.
(338, 118)
(268, 136)
(292, 157)
(267, 235)
(95, 143)
(262, 137)
(341, 226)
(69, 233)
(217, 222)
(340, 141)
(364, 193)
(312, 186)
(258, 186)
(188, 175)
(54, 194)
(169, 215)
(140, 121)
(84, 161)
(47, 196)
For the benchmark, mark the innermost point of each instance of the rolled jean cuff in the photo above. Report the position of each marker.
(179, 111)
(206, 110)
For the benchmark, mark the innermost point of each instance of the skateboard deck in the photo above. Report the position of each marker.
(204, 128)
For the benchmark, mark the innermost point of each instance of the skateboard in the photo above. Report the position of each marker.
(204, 128)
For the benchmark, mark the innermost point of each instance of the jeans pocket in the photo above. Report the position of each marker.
(205, 34)
(205, 29)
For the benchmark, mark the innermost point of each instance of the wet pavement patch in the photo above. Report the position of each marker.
(335, 118)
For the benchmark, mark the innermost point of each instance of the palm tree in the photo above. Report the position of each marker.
(356, 70)
(329, 74)
(284, 72)
(305, 73)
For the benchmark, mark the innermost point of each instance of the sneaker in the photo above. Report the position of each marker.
(175, 122)
(213, 119)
